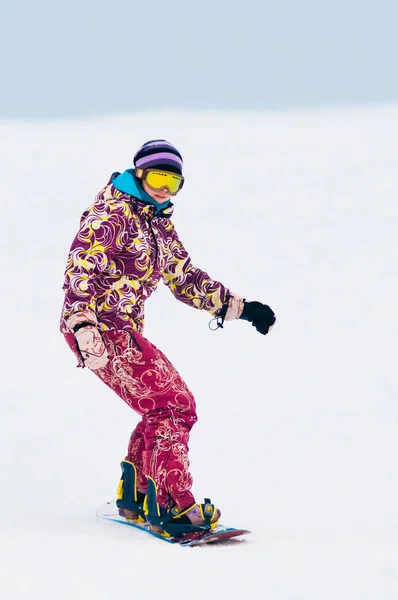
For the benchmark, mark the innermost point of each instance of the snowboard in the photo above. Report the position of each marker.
(218, 535)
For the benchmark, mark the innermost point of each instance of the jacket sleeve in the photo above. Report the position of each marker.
(188, 283)
(103, 231)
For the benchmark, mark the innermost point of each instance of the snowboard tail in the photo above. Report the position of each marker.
(218, 534)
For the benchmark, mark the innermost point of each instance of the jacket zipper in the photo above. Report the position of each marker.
(156, 244)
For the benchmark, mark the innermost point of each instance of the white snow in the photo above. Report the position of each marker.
(297, 433)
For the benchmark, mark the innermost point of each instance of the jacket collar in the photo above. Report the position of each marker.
(127, 183)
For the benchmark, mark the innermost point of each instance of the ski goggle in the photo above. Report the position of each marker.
(160, 179)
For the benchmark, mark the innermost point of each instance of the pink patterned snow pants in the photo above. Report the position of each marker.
(146, 380)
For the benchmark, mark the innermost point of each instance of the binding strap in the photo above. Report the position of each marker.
(207, 511)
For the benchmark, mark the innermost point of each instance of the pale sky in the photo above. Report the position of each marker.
(82, 58)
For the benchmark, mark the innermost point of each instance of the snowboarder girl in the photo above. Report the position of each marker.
(125, 245)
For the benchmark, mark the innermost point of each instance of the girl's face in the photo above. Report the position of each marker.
(160, 196)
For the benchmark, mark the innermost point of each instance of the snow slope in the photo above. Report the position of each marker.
(297, 433)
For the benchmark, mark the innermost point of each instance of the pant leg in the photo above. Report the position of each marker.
(143, 377)
(135, 454)
(166, 457)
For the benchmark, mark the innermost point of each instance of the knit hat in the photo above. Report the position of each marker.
(158, 154)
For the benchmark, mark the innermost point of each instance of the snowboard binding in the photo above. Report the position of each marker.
(175, 522)
(130, 501)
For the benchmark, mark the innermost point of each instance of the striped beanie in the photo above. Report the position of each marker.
(158, 154)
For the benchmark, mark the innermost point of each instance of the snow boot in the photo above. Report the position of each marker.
(177, 522)
(130, 500)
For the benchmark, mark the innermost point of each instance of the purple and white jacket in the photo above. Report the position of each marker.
(120, 253)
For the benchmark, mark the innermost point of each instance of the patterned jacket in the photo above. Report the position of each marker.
(120, 253)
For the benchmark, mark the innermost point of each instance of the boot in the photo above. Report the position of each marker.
(130, 501)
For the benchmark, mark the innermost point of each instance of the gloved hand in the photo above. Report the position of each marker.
(260, 315)
(91, 346)
(89, 339)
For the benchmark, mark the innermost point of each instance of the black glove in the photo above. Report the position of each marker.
(260, 315)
